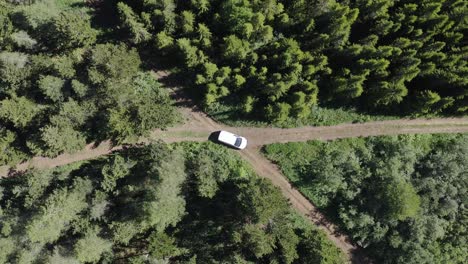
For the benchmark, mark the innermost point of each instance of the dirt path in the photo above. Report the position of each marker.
(198, 126)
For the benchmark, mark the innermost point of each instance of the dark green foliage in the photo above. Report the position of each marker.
(143, 205)
(399, 197)
(394, 57)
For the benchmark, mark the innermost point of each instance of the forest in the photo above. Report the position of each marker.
(402, 198)
(61, 88)
(274, 60)
(185, 203)
(74, 72)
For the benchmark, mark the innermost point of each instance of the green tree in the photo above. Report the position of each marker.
(71, 29)
(8, 247)
(259, 201)
(51, 87)
(6, 27)
(22, 40)
(235, 49)
(129, 22)
(13, 70)
(62, 138)
(91, 247)
(189, 53)
(258, 241)
(187, 20)
(316, 248)
(165, 196)
(112, 64)
(61, 207)
(162, 247)
(278, 112)
(10, 154)
(20, 111)
(119, 168)
(401, 199)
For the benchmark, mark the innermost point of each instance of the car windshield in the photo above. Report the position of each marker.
(238, 142)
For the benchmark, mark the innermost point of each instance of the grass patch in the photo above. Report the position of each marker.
(320, 116)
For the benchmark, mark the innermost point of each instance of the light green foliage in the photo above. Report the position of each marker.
(13, 70)
(145, 107)
(118, 169)
(8, 246)
(91, 247)
(189, 53)
(99, 206)
(210, 169)
(235, 49)
(62, 138)
(120, 125)
(130, 23)
(163, 41)
(278, 112)
(33, 14)
(72, 29)
(161, 246)
(73, 114)
(64, 66)
(258, 241)
(123, 232)
(169, 174)
(28, 254)
(23, 40)
(205, 174)
(247, 105)
(51, 87)
(61, 207)
(79, 88)
(154, 107)
(57, 258)
(187, 21)
(37, 183)
(399, 197)
(6, 27)
(19, 111)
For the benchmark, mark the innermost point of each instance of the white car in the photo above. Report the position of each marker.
(231, 139)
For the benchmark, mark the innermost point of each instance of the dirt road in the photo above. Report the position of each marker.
(198, 126)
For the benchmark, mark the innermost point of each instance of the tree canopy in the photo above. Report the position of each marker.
(283, 58)
(153, 204)
(401, 198)
(63, 85)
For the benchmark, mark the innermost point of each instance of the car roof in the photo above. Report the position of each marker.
(227, 137)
